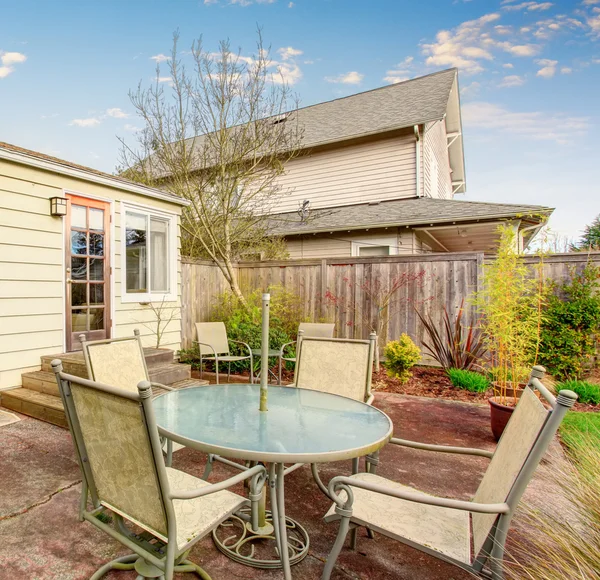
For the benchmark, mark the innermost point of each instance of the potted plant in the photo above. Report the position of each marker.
(511, 305)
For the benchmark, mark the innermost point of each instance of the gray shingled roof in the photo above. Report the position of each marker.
(401, 212)
(384, 109)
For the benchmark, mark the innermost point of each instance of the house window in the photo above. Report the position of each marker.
(149, 248)
(366, 251)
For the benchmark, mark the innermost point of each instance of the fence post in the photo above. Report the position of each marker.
(323, 305)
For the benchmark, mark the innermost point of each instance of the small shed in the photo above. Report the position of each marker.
(81, 252)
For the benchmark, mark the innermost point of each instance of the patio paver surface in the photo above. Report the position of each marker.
(41, 538)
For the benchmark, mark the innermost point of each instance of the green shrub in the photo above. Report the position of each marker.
(588, 393)
(468, 380)
(571, 324)
(400, 356)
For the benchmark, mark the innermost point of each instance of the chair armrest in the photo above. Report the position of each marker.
(161, 386)
(441, 448)
(244, 343)
(258, 473)
(343, 483)
(284, 345)
(205, 344)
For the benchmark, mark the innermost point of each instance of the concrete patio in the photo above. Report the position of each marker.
(42, 539)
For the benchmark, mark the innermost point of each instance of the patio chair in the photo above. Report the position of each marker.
(468, 534)
(157, 512)
(120, 362)
(213, 344)
(316, 329)
(341, 366)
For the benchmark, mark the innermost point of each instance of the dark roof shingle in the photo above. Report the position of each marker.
(400, 212)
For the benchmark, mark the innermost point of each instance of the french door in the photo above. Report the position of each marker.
(87, 270)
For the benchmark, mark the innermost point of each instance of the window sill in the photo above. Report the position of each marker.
(148, 298)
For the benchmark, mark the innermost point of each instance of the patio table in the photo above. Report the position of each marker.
(301, 426)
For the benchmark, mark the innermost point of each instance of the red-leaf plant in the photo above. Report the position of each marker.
(454, 345)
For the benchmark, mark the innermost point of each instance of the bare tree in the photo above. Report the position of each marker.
(220, 137)
(163, 316)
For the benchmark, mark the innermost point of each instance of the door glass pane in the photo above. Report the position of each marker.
(79, 320)
(159, 230)
(78, 297)
(96, 244)
(96, 293)
(96, 269)
(96, 219)
(78, 243)
(96, 318)
(78, 217)
(79, 268)
(135, 248)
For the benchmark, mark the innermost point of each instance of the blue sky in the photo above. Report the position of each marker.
(529, 76)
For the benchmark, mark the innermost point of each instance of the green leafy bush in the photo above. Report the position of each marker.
(588, 393)
(468, 380)
(400, 356)
(571, 324)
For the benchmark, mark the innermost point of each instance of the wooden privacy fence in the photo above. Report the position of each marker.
(346, 290)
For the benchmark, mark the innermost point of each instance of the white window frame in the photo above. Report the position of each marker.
(171, 218)
(390, 241)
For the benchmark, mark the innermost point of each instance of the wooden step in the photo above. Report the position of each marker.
(169, 373)
(74, 363)
(40, 381)
(42, 406)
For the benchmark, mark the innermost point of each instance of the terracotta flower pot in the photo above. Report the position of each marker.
(499, 415)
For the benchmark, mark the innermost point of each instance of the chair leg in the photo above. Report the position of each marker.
(169, 459)
(122, 563)
(336, 549)
(208, 467)
(228, 371)
(353, 538)
(200, 366)
(83, 500)
(217, 369)
(279, 370)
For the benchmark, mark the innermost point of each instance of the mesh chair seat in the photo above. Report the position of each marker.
(196, 517)
(226, 357)
(441, 529)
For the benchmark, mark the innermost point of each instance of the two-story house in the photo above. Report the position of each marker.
(378, 173)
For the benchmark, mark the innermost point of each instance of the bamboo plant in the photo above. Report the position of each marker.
(511, 306)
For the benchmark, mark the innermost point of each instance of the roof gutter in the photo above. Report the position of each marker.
(54, 167)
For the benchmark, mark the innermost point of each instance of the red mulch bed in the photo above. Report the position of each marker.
(426, 382)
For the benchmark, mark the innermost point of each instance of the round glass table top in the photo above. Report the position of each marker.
(300, 426)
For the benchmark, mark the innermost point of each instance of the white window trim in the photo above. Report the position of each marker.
(391, 241)
(145, 297)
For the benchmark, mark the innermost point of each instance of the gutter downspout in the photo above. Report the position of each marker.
(418, 158)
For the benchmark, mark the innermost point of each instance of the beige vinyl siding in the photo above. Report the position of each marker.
(32, 309)
(374, 171)
(437, 176)
(340, 244)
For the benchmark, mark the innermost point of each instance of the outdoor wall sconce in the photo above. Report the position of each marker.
(58, 206)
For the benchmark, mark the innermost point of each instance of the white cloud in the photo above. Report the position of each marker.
(471, 89)
(401, 72)
(530, 6)
(522, 50)
(8, 60)
(593, 21)
(548, 69)
(512, 81)
(164, 79)
(535, 125)
(463, 47)
(289, 52)
(288, 73)
(350, 78)
(508, 65)
(590, 2)
(291, 5)
(131, 128)
(89, 122)
(51, 116)
(117, 113)
(160, 57)
(566, 70)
